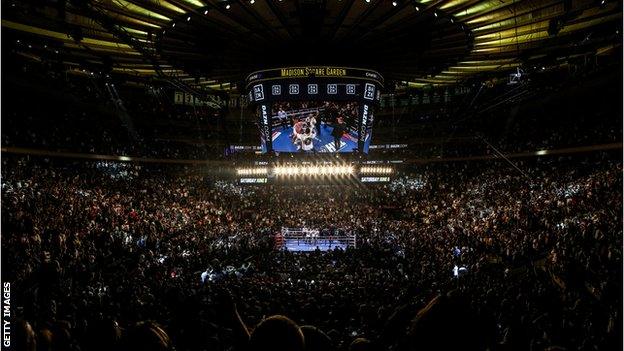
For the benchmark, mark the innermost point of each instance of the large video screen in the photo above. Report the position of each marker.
(314, 109)
(314, 126)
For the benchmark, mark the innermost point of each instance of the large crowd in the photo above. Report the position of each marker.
(473, 256)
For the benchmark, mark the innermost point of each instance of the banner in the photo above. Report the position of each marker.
(181, 98)
(266, 127)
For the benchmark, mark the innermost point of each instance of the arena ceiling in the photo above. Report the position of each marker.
(213, 44)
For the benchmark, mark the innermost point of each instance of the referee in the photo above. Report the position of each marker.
(339, 129)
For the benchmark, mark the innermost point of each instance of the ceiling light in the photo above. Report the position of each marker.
(252, 1)
(435, 14)
(188, 18)
(173, 25)
(206, 12)
(367, 0)
(394, 3)
(227, 7)
(416, 8)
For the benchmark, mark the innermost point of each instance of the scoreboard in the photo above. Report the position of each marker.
(299, 108)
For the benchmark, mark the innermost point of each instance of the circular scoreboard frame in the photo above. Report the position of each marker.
(314, 83)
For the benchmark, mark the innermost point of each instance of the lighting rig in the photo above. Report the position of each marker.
(314, 171)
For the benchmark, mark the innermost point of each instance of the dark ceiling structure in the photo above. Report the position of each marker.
(210, 45)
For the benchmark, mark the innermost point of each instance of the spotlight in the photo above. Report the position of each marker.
(206, 12)
(227, 7)
(435, 14)
(394, 3)
(367, 0)
(173, 25)
(416, 8)
(188, 18)
(252, 1)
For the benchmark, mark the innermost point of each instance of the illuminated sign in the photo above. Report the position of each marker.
(313, 71)
(266, 129)
(388, 146)
(253, 180)
(181, 98)
(364, 122)
(375, 179)
(258, 92)
(369, 91)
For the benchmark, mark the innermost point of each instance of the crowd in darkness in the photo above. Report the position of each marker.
(111, 256)
(115, 119)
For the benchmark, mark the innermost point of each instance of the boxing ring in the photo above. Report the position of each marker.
(304, 130)
(306, 239)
